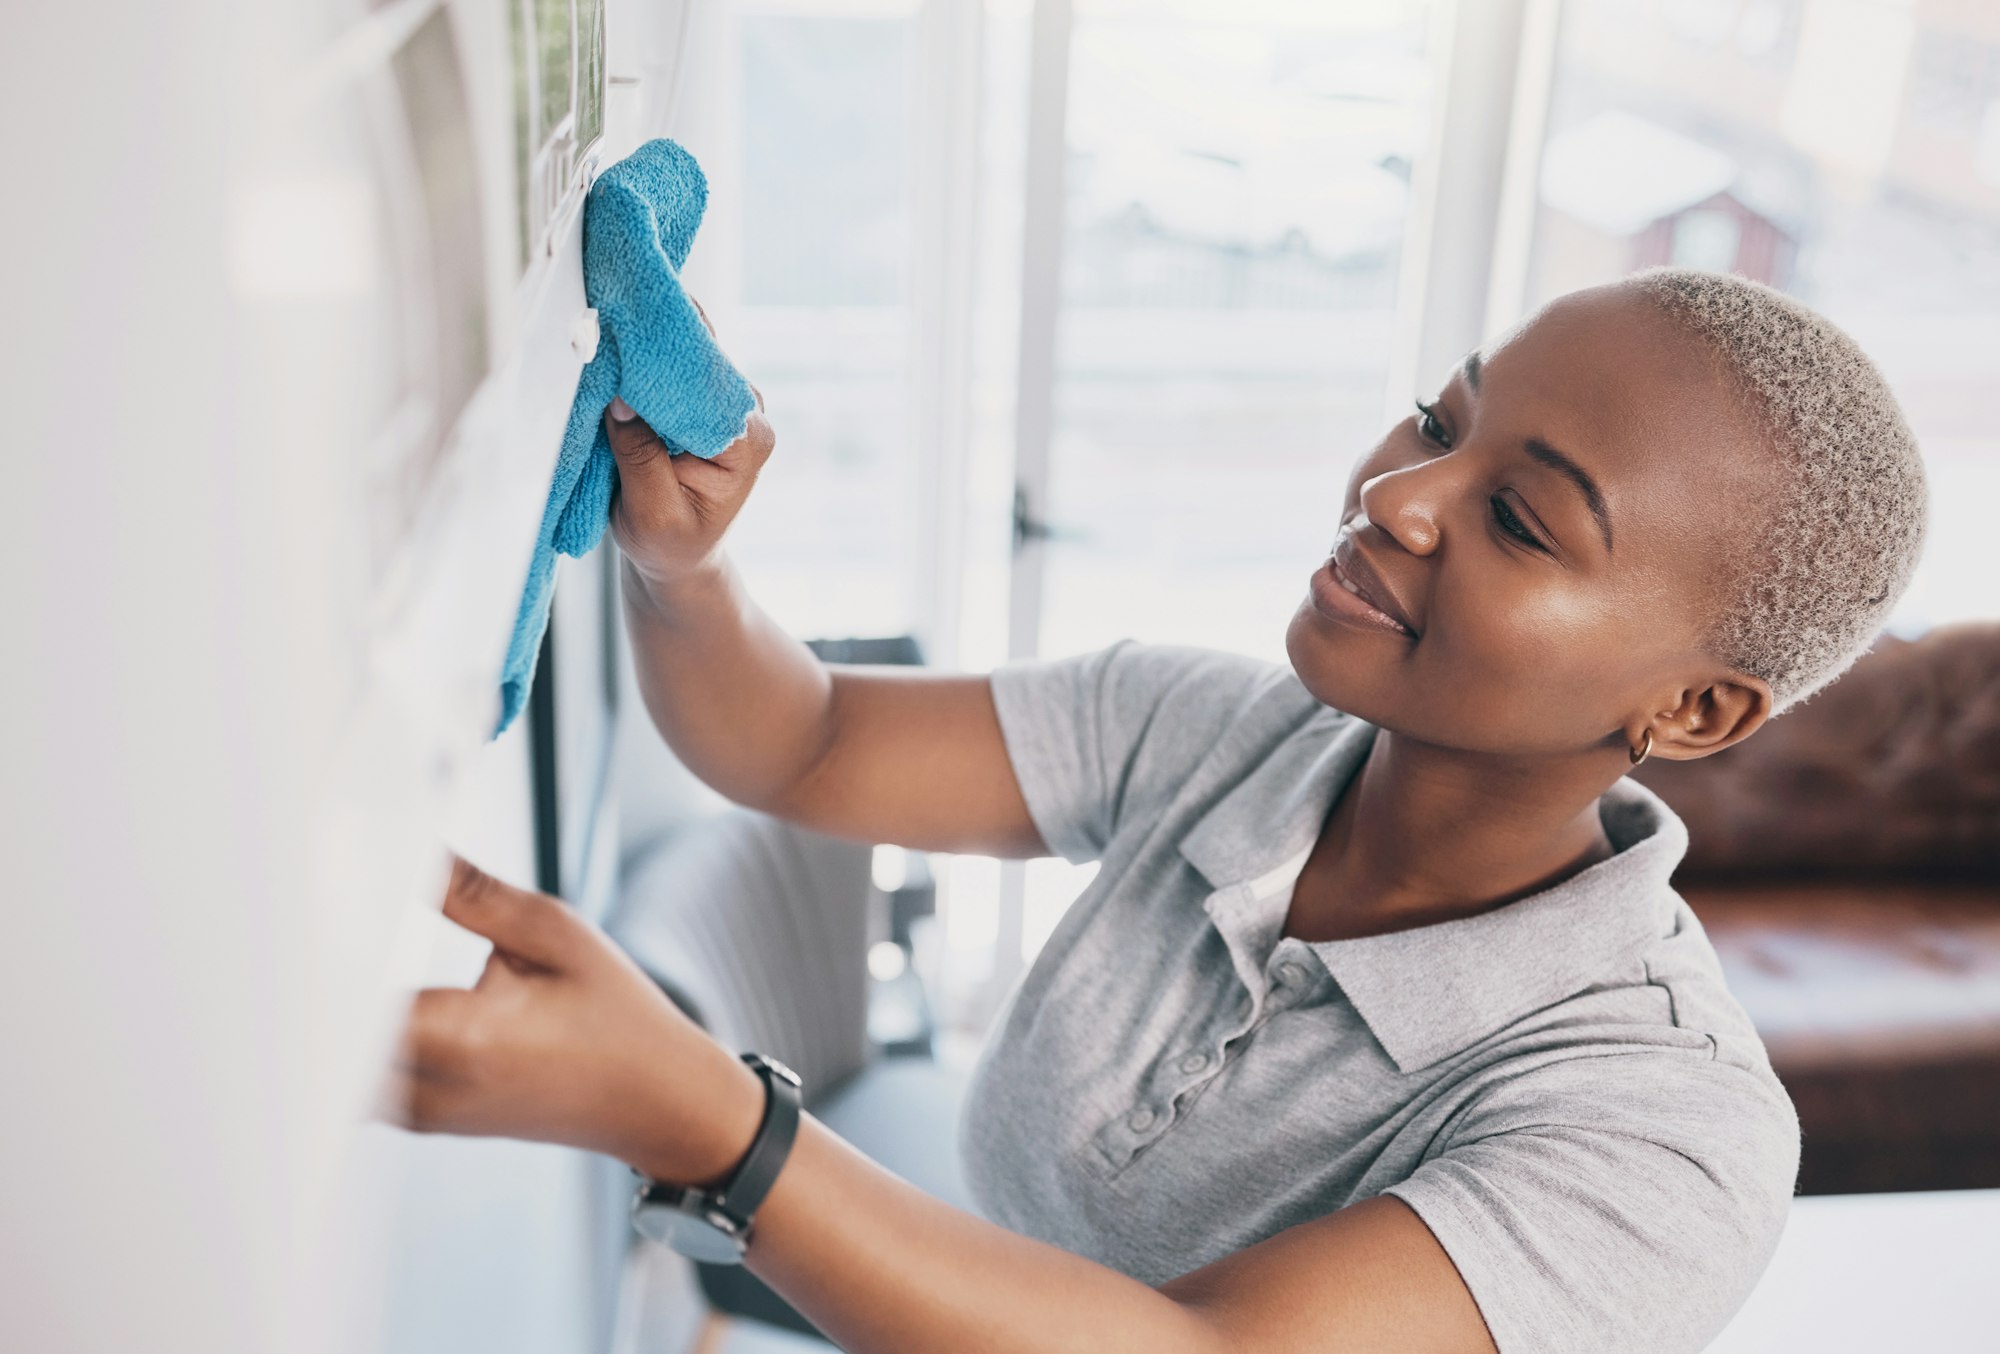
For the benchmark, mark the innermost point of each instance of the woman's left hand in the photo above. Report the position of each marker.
(565, 1039)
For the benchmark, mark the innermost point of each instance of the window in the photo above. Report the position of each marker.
(820, 315)
(1237, 197)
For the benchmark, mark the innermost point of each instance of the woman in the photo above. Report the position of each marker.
(1380, 1027)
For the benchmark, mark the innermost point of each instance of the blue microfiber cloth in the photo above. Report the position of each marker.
(653, 352)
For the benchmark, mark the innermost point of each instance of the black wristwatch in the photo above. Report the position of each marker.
(714, 1225)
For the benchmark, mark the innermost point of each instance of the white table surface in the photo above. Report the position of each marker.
(1873, 1273)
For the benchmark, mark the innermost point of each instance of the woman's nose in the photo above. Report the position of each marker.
(1404, 504)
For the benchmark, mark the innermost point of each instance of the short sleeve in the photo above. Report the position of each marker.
(1621, 1201)
(1076, 727)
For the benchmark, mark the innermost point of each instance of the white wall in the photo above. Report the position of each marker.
(184, 1042)
(239, 730)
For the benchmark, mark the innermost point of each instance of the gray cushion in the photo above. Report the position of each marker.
(763, 928)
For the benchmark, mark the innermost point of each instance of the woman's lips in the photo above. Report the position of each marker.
(1335, 596)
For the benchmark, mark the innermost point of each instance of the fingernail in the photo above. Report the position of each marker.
(622, 412)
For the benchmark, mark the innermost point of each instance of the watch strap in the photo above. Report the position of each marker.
(745, 1189)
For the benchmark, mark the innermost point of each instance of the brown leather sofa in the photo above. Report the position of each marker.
(1845, 861)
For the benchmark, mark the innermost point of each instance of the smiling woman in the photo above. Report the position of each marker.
(1752, 470)
(1380, 1026)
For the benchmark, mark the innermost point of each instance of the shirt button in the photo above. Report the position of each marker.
(1194, 1062)
(1141, 1119)
(1289, 973)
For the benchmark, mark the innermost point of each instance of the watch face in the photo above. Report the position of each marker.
(691, 1234)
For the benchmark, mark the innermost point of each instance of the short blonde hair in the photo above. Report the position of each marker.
(1835, 548)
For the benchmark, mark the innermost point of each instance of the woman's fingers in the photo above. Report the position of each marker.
(435, 1030)
(532, 926)
(641, 452)
(646, 479)
(724, 480)
(438, 1032)
(669, 512)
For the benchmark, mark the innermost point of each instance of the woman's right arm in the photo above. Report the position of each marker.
(877, 754)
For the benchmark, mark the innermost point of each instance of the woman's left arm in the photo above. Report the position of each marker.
(565, 1039)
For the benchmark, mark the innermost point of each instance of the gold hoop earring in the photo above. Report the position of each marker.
(1644, 751)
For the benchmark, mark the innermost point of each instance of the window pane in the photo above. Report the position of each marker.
(1238, 187)
(589, 71)
(829, 539)
(1847, 152)
(552, 33)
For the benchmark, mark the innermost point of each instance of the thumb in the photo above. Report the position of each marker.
(531, 925)
(430, 1061)
(646, 479)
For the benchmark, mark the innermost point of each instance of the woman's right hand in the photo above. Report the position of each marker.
(900, 756)
(670, 512)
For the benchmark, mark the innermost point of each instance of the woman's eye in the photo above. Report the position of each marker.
(1428, 426)
(1512, 524)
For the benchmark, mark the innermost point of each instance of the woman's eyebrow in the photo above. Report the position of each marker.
(1471, 370)
(1577, 475)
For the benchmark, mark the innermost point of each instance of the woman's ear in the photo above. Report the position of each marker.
(1707, 719)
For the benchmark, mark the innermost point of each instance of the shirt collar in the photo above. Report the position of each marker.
(1429, 992)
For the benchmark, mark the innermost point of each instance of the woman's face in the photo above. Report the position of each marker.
(1553, 533)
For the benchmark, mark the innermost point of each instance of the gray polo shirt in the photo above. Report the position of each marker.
(1562, 1088)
